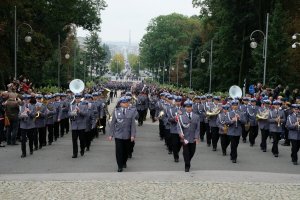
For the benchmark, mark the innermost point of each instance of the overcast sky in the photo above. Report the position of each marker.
(121, 16)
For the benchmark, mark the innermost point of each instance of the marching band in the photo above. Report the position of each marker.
(183, 120)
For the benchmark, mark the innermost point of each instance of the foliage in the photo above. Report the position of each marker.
(134, 62)
(48, 20)
(48, 90)
(117, 63)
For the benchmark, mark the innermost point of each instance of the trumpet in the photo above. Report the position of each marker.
(236, 120)
(161, 114)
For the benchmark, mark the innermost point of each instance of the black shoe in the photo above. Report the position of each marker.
(88, 149)
(264, 150)
(276, 155)
(40, 146)
(224, 153)
(31, 152)
(208, 145)
(202, 140)
(61, 135)
(234, 161)
(295, 163)
(125, 166)
(74, 156)
(170, 152)
(244, 140)
(36, 148)
(1, 145)
(130, 155)
(251, 145)
(176, 160)
(81, 153)
(120, 170)
(15, 144)
(214, 149)
(187, 169)
(49, 143)
(23, 155)
(55, 139)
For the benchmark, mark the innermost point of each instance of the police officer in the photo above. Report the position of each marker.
(293, 124)
(276, 119)
(243, 107)
(174, 112)
(57, 106)
(212, 122)
(234, 121)
(78, 114)
(152, 106)
(142, 106)
(203, 119)
(188, 128)
(208, 102)
(103, 110)
(251, 116)
(159, 110)
(26, 116)
(63, 115)
(50, 113)
(123, 129)
(264, 124)
(90, 120)
(223, 128)
(167, 106)
(40, 120)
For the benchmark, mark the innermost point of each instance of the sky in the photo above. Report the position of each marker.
(124, 16)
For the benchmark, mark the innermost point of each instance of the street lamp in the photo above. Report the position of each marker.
(253, 45)
(27, 39)
(67, 56)
(294, 37)
(210, 62)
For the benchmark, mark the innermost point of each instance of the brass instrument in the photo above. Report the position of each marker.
(76, 86)
(161, 114)
(215, 111)
(38, 107)
(263, 115)
(225, 128)
(278, 121)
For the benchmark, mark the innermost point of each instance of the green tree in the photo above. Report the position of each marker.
(134, 62)
(117, 63)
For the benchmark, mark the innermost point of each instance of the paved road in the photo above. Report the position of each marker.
(151, 173)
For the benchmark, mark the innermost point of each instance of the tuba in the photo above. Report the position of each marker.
(235, 92)
(76, 86)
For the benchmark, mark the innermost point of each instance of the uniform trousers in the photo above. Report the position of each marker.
(64, 123)
(130, 148)
(276, 138)
(152, 114)
(295, 149)
(103, 123)
(215, 136)
(176, 144)
(141, 116)
(42, 136)
(225, 141)
(50, 128)
(264, 137)
(35, 138)
(208, 134)
(168, 139)
(188, 153)
(122, 148)
(234, 143)
(26, 133)
(253, 132)
(56, 130)
(244, 132)
(161, 129)
(286, 136)
(89, 137)
(75, 135)
(202, 130)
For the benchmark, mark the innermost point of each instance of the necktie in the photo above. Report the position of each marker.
(190, 116)
(123, 111)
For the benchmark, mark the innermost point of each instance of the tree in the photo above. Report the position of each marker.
(134, 62)
(117, 64)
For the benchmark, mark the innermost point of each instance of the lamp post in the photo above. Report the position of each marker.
(177, 73)
(191, 66)
(27, 39)
(164, 72)
(253, 44)
(210, 62)
(294, 37)
(67, 56)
